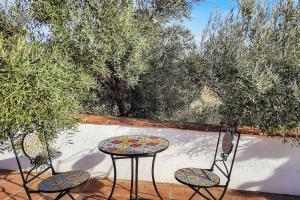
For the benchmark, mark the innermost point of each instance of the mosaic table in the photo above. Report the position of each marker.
(133, 147)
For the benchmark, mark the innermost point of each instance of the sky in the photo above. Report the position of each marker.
(201, 13)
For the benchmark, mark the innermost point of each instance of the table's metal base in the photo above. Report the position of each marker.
(136, 158)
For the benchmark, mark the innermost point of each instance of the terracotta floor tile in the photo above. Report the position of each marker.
(96, 196)
(11, 187)
(180, 192)
(165, 191)
(99, 189)
(22, 196)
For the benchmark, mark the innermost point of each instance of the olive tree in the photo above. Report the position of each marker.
(253, 62)
(171, 84)
(114, 41)
(40, 89)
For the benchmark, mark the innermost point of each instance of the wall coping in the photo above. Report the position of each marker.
(125, 121)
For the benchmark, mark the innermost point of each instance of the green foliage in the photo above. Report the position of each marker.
(253, 61)
(103, 38)
(204, 109)
(170, 84)
(118, 43)
(146, 64)
(164, 10)
(40, 89)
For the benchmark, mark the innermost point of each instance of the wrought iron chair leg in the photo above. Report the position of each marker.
(153, 179)
(223, 194)
(115, 177)
(136, 178)
(71, 196)
(60, 195)
(197, 190)
(131, 184)
(192, 196)
(210, 194)
(28, 194)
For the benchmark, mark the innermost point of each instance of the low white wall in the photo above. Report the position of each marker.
(262, 164)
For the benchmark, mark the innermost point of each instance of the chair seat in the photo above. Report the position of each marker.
(197, 177)
(63, 181)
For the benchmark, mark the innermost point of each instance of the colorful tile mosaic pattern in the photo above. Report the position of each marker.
(64, 181)
(227, 143)
(197, 177)
(32, 145)
(133, 145)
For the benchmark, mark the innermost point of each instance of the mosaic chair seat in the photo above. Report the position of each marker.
(38, 154)
(64, 181)
(197, 178)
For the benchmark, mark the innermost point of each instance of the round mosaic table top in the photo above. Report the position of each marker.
(133, 145)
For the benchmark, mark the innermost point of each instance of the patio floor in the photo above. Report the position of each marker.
(96, 189)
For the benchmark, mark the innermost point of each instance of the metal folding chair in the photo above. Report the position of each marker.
(35, 148)
(204, 179)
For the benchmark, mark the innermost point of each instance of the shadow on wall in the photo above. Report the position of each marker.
(11, 163)
(84, 160)
(193, 144)
(186, 142)
(266, 163)
(271, 152)
(89, 161)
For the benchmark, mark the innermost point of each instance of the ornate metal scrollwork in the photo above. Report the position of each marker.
(224, 156)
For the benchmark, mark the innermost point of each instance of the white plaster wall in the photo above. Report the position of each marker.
(262, 164)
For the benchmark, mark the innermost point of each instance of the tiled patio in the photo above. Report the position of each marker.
(95, 189)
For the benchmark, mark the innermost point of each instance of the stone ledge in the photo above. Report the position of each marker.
(124, 121)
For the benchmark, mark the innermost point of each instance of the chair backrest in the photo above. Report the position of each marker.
(35, 148)
(226, 147)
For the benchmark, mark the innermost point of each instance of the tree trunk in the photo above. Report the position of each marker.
(121, 107)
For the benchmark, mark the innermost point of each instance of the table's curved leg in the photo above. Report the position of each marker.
(153, 179)
(131, 185)
(136, 178)
(115, 178)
